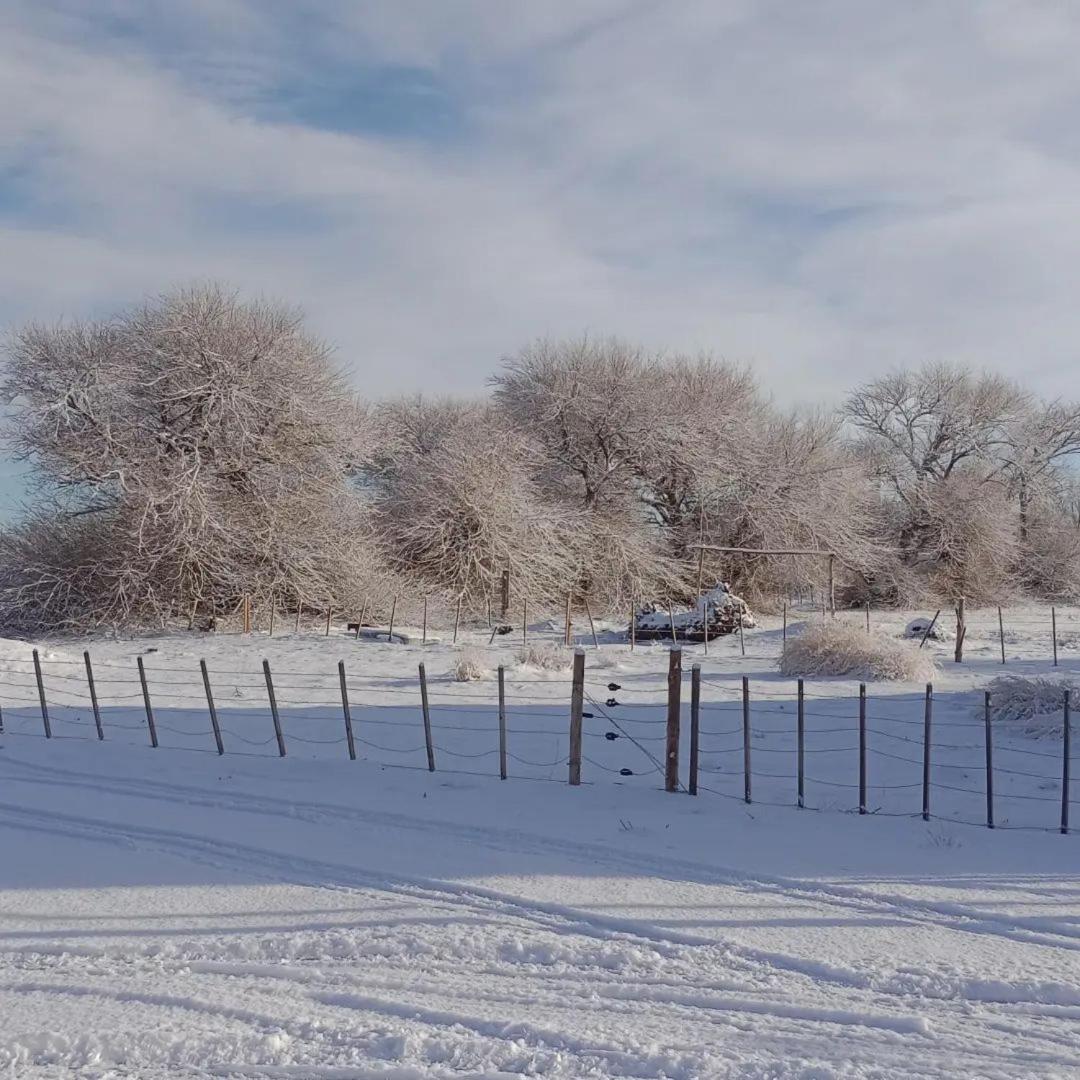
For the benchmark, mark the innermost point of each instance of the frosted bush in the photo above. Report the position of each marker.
(470, 665)
(840, 648)
(1035, 705)
(546, 657)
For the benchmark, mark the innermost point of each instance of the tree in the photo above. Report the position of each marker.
(198, 447)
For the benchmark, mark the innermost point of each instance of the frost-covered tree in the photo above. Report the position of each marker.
(188, 451)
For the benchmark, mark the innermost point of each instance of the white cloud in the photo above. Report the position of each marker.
(824, 189)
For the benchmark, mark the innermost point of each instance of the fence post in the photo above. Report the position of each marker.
(146, 700)
(93, 695)
(345, 710)
(868, 616)
(457, 619)
(427, 720)
(674, 710)
(41, 696)
(524, 620)
(329, 619)
(633, 624)
(1065, 751)
(862, 748)
(299, 607)
(273, 708)
(785, 625)
(961, 630)
(423, 631)
(505, 595)
(393, 612)
(1001, 633)
(577, 704)
(592, 625)
(671, 620)
(213, 711)
(705, 622)
(929, 629)
(247, 613)
(1053, 630)
(746, 737)
(568, 635)
(927, 718)
(832, 585)
(695, 722)
(502, 722)
(801, 745)
(989, 765)
(360, 621)
(273, 610)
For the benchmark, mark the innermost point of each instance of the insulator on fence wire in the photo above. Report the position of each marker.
(613, 686)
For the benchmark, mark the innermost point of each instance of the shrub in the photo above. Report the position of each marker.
(470, 666)
(840, 648)
(546, 657)
(1035, 705)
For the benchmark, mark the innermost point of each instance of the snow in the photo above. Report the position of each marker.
(171, 912)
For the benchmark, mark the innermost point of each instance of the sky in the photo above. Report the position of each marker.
(825, 191)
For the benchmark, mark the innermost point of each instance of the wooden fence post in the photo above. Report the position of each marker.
(577, 704)
(742, 636)
(329, 619)
(505, 594)
(457, 619)
(784, 639)
(868, 616)
(800, 753)
(428, 744)
(927, 719)
(273, 708)
(926, 632)
(360, 621)
(502, 722)
(393, 612)
(862, 748)
(1053, 631)
(213, 710)
(146, 701)
(299, 608)
(247, 613)
(1001, 633)
(989, 763)
(961, 630)
(41, 696)
(423, 631)
(674, 711)
(525, 620)
(832, 585)
(671, 620)
(345, 710)
(568, 634)
(191, 616)
(633, 624)
(273, 609)
(592, 625)
(93, 695)
(746, 737)
(1065, 751)
(695, 724)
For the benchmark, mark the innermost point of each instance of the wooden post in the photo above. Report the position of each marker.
(577, 703)
(346, 711)
(299, 608)
(961, 630)
(695, 724)
(633, 624)
(746, 737)
(213, 710)
(989, 764)
(247, 613)
(800, 753)
(592, 625)
(93, 696)
(868, 616)
(487, 597)
(742, 636)
(427, 720)
(1066, 735)
(191, 617)
(502, 722)
(146, 701)
(457, 619)
(360, 621)
(674, 716)
(393, 612)
(700, 571)
(273, 608)
(1053, 631)
(705, 623)
(525, 620)
(505, 595)
(927, 718)
(41, 696)
(926, 632)
(862, 748)
(832, 586)
(423, 632)
(568, 633)
(274, 709)
(671, 620)
(785, 625)
(329, 618)
(1001, 633)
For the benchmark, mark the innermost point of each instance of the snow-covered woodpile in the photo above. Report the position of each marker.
(719, 610)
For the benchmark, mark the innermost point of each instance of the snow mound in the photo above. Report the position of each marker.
(918, 627)
(839, 648)
(1035, 705)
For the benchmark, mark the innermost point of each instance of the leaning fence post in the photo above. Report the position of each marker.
(989, 764)
(927, 718)
(742, 637)
(746, 737)
(93, 695)
(674, 709)
(274, 709)
(695, 722)
(360, 621)
(393, 612)
(502, 722)
(41, 696)
(577, 704)
(213, 710)
(1001, 633)
(146, 700)
(862, 748)
(1065, 751)
(427, 720)
(345, 710)
(800, 752)
(457, 618)
(1053, 630)
(592, 625)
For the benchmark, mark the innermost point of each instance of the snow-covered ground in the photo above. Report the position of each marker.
(171, 912)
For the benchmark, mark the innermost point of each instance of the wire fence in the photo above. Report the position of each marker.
(891, 755)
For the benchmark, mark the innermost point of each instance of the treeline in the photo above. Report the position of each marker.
(198, 449)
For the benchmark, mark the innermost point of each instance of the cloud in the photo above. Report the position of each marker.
(825, 190)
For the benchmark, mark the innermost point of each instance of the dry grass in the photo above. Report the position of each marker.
(546, 657)
(1034, 705)
(470, 666)
(840, 648)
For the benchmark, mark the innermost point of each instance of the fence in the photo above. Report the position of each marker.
(754, 741)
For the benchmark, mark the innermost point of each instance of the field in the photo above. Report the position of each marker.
(171, 912)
